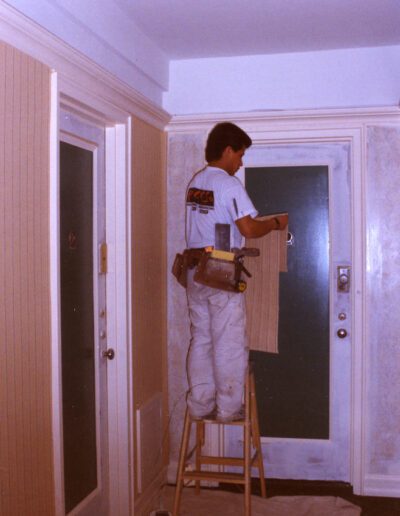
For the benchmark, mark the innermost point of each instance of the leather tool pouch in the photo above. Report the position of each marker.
(179, 269)
(187, 260)
(219, 273)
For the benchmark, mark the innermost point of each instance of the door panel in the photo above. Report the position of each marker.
(83, 317)
(312, 457)
(293, 386)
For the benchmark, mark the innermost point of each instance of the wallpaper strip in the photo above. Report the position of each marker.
(262, 294)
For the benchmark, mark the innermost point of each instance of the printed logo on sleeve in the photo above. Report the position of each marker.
(203, 200)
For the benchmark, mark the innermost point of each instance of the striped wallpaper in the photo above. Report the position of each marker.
(149, 269)
(26, 474)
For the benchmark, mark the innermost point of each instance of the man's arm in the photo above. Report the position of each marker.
(253, 228)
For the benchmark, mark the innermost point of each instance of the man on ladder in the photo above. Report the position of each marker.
(218, 355)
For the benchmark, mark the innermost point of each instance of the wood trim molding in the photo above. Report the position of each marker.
(79, 78)
(292, 120)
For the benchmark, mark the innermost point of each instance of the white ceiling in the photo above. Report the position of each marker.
(186, 29)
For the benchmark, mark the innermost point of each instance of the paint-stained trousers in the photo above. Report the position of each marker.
(218, 353)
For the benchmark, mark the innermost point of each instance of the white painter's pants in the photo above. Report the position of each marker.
(218, 354)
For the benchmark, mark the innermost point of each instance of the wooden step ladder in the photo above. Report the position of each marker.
(247, 462)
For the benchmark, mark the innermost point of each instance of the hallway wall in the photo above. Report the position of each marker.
(375, 365)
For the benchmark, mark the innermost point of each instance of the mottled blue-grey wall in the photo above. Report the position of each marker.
(383, 301)
(381, 345)
(185, 157)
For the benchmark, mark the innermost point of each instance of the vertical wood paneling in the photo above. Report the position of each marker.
(148, 258)
(148, 265)
(25, 390)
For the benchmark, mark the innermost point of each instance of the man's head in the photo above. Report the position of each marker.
(225, 135)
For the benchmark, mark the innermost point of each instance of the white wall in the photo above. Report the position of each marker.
(106, 35)
(335, 78)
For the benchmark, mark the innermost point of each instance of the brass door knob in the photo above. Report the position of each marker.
(342, 333)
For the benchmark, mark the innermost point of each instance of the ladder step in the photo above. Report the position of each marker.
(213, 420)
(226, 461)
(229, 478)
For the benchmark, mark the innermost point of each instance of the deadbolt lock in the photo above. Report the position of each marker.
(109, 353)
(343, 278)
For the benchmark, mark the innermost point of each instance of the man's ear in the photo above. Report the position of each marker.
(227, 151)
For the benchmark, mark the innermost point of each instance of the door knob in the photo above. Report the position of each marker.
(342, 333)
(109, 353)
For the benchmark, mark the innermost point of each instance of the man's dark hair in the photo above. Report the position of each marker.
(225, 134)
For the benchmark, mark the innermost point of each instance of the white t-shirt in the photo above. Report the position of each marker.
(213, 196)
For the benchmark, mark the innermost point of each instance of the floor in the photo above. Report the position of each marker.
(212, 500)
(370, 505)
(217, 502)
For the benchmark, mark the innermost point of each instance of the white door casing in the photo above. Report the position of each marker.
(119, 373)
(80, 133)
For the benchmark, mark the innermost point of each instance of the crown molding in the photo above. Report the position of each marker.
(294, 119)
(80, 79)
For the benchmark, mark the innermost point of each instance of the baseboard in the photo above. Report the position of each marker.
(150, 498)
(382, 485)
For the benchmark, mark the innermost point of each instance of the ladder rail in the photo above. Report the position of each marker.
(247, 462)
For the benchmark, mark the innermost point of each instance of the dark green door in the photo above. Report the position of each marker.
(77, 327)
(83, 317)
(293, 385)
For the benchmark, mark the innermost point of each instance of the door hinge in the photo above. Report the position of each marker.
(103, 258)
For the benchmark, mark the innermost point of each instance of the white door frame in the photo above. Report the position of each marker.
(331, 454)
(353, 136)
(118, 280)
(119, 319)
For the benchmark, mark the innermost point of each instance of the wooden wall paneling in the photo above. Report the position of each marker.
(25, 395)
(148, 266)
(147, 258)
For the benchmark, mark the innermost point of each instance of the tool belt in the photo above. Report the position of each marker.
(218, 269)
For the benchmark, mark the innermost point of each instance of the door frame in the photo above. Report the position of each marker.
(354, 137)
(118, 298)
(77, 139)
(266, 156)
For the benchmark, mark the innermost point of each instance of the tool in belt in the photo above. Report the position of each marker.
(214, 268)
